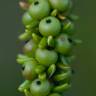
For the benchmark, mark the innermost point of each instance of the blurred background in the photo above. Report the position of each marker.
(84, 80)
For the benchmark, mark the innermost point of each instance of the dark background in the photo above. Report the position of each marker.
(84, 81)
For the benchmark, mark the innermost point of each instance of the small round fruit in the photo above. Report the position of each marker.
(46, 57)
(30, 48)
(40, 88)
(27, 19)
(69, 9)
(60, 5)
(39, 9)
(28, 70)
(50, 26)
(63, 45)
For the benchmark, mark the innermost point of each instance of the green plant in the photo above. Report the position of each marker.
(47, 53)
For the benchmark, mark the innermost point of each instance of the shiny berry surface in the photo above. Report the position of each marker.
(40, 88)
(60, 5)
(39, 9)
(63, 45)
(46, 57)
(50, 26)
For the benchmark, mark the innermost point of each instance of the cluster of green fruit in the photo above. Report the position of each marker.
(48, 47)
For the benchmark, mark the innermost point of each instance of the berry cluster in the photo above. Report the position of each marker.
(47, 53)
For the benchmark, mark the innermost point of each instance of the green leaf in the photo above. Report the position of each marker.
(77, 41)
(62, 76)
(54, 12)
(64, 60)
(51, 41)
(43, 43)
(26, 35)
(27, 93)
(39, 69)
(51, 70)
(73, 17)
(32, 25)
(42, 76)
(61, 88)
(36, 38)
(21, 59)
(24, 85)
(63, 67)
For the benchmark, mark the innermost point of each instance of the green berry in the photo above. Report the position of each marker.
(40, 88)
(27, 19)
(46, 57)
(30, 48)
(39, 9)
(50, 26)
(28, 70)
(63, 45)
(60, 5)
